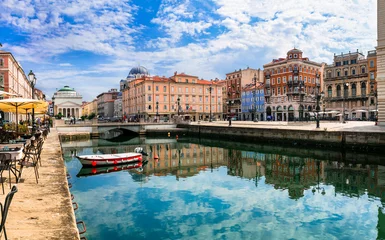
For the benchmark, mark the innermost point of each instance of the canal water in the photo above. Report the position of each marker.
(202, 189)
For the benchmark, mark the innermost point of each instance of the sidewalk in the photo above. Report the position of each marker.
(43, 210)
(351, 126)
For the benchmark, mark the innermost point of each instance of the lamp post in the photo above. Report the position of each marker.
(343, 99)
(228, 110)
(255, 98)
(32, 79)
(178, 101)
(210, 89)
(157, 113)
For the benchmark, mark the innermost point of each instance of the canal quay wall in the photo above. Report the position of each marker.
(362, 136)
(43, 210)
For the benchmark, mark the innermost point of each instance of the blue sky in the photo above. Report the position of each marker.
(91, 45)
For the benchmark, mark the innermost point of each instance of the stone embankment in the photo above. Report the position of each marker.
(43, 210)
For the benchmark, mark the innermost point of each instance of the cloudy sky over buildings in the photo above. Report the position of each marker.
(91, 45)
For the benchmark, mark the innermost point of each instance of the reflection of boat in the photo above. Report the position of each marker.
(112, 159)
(107, 169)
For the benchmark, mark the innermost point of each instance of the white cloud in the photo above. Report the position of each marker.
(203, 38)
(65, 64)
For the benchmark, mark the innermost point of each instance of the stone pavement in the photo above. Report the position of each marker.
(349, 126)
(43, 210)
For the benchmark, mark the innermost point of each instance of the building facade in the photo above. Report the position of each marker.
(118, 106)
(13, 80)
(235, 82)
(106, 103)
(350, 86)
(161, 98)
(253, 102)
(291, 87)
(67, 102)
(381, 61)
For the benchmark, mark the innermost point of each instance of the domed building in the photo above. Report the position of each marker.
(67, 102)
(135, 72)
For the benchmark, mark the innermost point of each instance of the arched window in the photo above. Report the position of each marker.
(330, 91)
(338, 73)
(363, 89)
(329, 74)
(354, 90)
(346, 90)
(338, 91)
(353, 71)
(362, 69)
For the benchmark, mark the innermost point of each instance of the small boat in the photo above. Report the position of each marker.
(84, 172)
(112, 159)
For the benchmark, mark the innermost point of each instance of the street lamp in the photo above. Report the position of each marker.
(157, 113)
(210, 89)
(32, 80)
(318, 97)
(343, 98)
(178, 101)
(255, 98)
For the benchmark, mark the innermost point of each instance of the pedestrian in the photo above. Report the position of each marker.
(74, 120)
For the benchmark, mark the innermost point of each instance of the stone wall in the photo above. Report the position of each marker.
(326, 139)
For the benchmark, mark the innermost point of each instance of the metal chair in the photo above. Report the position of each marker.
(30, 160)
(5, 165)
(4, 210)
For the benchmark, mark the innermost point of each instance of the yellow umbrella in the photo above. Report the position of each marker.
(11, 104)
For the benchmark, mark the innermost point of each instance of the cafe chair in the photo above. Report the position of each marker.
(5, 165)
(29, 160)
(4, 210)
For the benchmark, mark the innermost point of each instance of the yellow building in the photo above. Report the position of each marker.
(161, 98)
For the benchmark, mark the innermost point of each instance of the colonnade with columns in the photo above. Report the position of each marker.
(68, 111)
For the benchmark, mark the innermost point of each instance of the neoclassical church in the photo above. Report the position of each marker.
(135, 72)
(67, 102)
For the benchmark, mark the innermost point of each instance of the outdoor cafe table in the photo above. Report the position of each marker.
(16, 152)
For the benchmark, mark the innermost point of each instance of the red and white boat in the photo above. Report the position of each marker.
(111, 159)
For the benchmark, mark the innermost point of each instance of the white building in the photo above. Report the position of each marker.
(118, 107)
(67, 102)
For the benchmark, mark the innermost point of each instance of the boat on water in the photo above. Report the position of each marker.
(86, 171)
(98, 160)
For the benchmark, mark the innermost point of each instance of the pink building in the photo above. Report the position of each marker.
(162, 98)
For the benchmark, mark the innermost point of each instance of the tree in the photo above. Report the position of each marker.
(91, 116)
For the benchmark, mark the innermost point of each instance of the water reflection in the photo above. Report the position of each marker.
(190, 190)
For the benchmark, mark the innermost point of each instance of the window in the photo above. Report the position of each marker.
(179, 90)
(164, 98)
(353, 71)
(149, 88)
(295, 55)
(354, 90)
(363, 70)
(363, 89)
(304, 79)
(273, 81)
(186, 89)
(338, 91)
(165, 107)
(200, 98)
(179, 79)
(279, 91)
(157, 88)
(346, 72)
(346, 91)
(371, 63)
(149, 107)
(193, 90)
(290, 69)
(330, 91)
(149, 98)
(329, 74)
(172, 89)
(372, 76)
(354, 61)
(186, 80)
(284, 90)
(346, 62)
(164, 89)
(284, 79)
(278, 80)
(338, 73)
(290, 78)
(338, 64)
(290, 56)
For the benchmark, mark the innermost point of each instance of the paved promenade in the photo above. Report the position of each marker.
(350, 126)
(43, 210)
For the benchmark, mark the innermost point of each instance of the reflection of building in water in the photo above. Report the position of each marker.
(182, 159)
(245, 164)
(292, 173)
